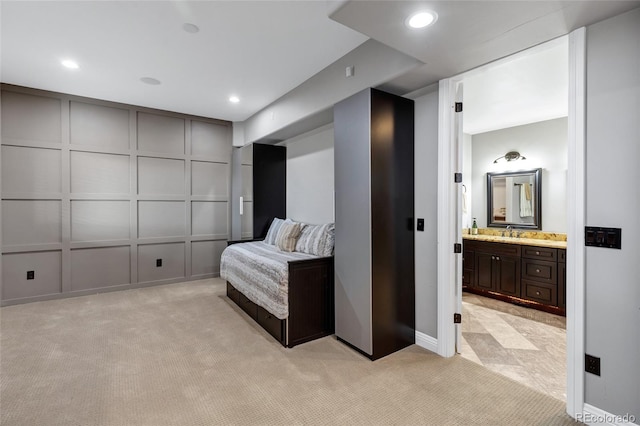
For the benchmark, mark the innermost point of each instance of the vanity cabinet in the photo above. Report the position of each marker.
(562, 278)
(522, 274)
(497, 267)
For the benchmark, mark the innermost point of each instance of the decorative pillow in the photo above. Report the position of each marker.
(288, 236)
(317, 240)
(273, 230)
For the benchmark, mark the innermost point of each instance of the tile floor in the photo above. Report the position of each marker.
(521, 343)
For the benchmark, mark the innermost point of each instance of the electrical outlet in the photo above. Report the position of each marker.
(592, 364)
(158, 263)
(31, 275)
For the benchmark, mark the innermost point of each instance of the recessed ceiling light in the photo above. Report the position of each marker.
(70, 64)
(150, 80)
(421, 19)
(234, 99)
(190, 28)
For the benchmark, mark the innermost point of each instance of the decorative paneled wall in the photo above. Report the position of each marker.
(98, 195)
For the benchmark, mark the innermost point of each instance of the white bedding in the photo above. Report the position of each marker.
(261, 272)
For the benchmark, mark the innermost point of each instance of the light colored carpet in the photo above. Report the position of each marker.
(182, 354)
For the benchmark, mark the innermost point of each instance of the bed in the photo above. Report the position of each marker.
(290, 294)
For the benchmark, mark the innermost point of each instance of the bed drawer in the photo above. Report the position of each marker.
(272, 324)
(248, 306)
(233, 294)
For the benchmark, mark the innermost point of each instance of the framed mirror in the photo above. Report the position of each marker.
(513, 198)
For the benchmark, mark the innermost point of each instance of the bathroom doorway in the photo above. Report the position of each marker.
(518, 105)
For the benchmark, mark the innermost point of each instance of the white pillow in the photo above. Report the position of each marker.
(317, 240)
(272, 234)
(288, 236)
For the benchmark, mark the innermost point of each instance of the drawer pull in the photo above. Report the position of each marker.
(538, 253)
(497, 257)
(537, 293)
(538, 271)
(493, 257)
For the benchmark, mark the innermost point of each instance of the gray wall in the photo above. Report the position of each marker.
(426, 194)
(545, 146)
(310, 180)
(93, 193)
(613, 199)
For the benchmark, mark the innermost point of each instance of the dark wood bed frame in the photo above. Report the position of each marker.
(311, 302)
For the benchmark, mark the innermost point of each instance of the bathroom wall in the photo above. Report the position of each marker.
(544, 144)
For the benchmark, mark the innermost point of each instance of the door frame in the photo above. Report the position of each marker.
(449, 157)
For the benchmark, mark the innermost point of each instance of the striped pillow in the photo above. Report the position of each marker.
(273, 230)
(288, 236)
(317, 240)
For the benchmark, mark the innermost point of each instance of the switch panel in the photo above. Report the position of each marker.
(158, 263)
(31, 275)
(596, 236)
(420, 225)
(592, 364)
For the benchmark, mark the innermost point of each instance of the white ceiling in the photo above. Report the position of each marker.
(258, 50)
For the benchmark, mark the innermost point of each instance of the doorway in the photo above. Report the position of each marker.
(450, 202)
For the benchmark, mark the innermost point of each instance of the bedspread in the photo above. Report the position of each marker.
(261, 272)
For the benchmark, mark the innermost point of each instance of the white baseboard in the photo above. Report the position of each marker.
(594, 416)
(427, 342)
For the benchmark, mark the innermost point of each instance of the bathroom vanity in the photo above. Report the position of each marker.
(524, 271)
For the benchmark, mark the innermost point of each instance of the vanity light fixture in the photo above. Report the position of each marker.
(234, 99)
(510, 156)
(71, 64)
(421, 19)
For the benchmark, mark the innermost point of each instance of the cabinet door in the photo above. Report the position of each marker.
(562, 285)
(506, 274)
(483, 264)
(468, 274)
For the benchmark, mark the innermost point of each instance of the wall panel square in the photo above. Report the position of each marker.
(161, 219)
(247, 182)
(31, 222)
(211, 140)
(31, 117)
(47, 268)
(94, 173)
(100, 267)
(173, 261)
(100, 126)
(205, 257)
(93, 220)
(209, 218)
(31, 170)
(210, 179)
(160, 176)
(159, 133)
(246, 224)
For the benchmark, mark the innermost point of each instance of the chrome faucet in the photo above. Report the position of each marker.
(510, 231)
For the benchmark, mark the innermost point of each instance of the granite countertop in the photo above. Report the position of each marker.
(513, 240)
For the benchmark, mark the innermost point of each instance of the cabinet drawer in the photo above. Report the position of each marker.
(493, 248)
(543, 293)
(272, 324)
(562, 255)
(541, 253)
(232, 293)
(537, 270)
(248, 306)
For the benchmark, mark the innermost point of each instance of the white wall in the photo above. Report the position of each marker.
(310, 181)
(544, 144)
(613, 200)
(374, 64)
(426, 189)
